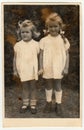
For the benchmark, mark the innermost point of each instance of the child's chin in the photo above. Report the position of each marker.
(26, 40)
(54, 34)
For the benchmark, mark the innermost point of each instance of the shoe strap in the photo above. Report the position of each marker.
(33, 106)
(24, 106)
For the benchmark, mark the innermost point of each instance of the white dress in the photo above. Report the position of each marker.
(26, 59)
(54, 56)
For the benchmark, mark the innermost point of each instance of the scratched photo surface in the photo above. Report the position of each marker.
(70, 83)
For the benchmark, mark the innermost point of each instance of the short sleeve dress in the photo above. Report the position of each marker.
(26, 59)
(54, 56)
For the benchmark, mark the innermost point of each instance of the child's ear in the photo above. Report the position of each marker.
(63, 26)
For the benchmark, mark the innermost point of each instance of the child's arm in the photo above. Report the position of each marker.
(40, 62)
(14, 66)
(65, 71)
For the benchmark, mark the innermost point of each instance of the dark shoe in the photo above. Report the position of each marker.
(48, 107)
(33, 110)
(24, 108)
(58, 110)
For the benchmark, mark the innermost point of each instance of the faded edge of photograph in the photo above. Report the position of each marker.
(42, 89)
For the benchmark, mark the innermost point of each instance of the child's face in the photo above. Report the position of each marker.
(54, 28)
(26, 34)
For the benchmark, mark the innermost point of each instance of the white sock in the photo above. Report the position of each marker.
(48, 95)
(25, 102)
(58, 97)
(33, 102)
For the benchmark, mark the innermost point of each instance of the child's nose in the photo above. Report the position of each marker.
(53, 29)
(25, 33)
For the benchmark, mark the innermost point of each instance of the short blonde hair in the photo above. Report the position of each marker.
(54, 17)
(30, 25)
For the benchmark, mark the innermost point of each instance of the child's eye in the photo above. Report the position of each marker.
(25, 32)
(54, 26)
(22, 32)
(51, 26)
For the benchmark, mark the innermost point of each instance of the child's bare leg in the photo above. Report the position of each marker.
(58, 96)
(48, 91)
(25, 96)
(33, 100)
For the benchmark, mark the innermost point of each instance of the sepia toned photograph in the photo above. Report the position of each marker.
(42, 63)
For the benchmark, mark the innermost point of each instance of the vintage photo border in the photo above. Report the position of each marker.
(73, 122)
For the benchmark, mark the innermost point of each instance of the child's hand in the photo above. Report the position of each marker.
(40, 72)
(65, 71)
(15, 74)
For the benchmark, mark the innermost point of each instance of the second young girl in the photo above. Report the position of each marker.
(54, 61)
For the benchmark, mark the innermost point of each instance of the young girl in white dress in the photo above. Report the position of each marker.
(54, 61)
(26, 64)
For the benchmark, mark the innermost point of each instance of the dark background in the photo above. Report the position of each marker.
(71, 17)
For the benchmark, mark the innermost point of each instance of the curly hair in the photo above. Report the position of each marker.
(30, 25)
(54, 17)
